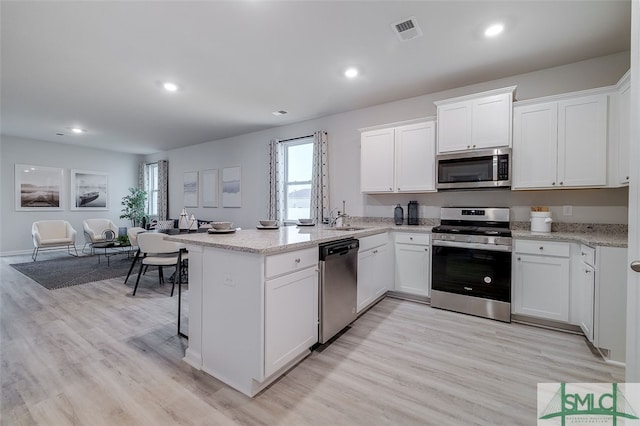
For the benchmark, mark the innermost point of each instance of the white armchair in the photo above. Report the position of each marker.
(94, 231)
(52, 234)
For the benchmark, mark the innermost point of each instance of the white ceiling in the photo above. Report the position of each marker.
(97, 64)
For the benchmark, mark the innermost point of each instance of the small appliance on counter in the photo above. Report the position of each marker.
(398, 215)
(412, 214)
(541, 219)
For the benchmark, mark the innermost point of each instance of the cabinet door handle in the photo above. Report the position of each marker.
(426, 249)
(398, 189)
(561, 183)
(541, 248)
(375, 251)
(474, 146)
(635, 265)
(587, 271)
(297, 260)
(390, 189)
(627, 177)
(553, 183)
(519, 258)
(411, 238)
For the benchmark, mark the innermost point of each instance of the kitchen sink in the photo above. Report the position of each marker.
(348, 228)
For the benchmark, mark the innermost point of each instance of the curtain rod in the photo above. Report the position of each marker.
(295, 139)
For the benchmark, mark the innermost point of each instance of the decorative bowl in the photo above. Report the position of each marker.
(268, 222)
(305, 221)
(221, 226)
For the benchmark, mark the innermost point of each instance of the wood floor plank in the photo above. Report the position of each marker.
(95, 355)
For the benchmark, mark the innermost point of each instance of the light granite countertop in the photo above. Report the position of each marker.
(269, 241)
(288, 238)
(595, 238)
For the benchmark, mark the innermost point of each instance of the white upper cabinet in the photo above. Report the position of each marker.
(560, 144)
(476, 121)
(454, 127)
(624, 138)
(619, 132)
(535, 145)
(398, 159)
(415, 157)
(582, 141)
(377, 160)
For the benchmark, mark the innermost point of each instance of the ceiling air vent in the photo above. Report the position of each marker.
(407, 29)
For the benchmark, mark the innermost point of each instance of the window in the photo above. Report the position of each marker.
(298, 166)
(152, 189)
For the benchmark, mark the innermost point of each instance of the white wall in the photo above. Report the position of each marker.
(15, 226)
(251, 152)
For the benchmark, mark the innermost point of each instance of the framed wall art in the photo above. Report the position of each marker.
(190, 189)
(89, 190)
(209, 180)
(39, 188)
(231, 187)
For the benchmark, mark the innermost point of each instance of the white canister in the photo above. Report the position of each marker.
(541, 221)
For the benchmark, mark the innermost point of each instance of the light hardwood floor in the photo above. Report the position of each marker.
(95, 355)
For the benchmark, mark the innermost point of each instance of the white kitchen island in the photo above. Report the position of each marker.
(253, 300)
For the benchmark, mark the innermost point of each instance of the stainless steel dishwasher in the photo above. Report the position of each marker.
(338, 286)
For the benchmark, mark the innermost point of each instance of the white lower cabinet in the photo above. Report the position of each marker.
(290, 317)
(413, 261)
(610, 319)
(254, 315)
(541, 279)
(375, 269)
(586, 283)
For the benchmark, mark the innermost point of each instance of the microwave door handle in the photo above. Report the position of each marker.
(495, 167)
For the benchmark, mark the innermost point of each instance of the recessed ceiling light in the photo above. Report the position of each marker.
(77, 130)
(493, 30)
(280, 112)
(351, 72)
(170, 87)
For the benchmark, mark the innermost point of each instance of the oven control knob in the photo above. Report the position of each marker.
(487, 280)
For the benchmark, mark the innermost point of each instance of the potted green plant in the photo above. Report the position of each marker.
(123, 240)
(134, 206)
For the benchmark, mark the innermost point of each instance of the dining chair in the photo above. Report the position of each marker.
(132, 233)
(156, 251)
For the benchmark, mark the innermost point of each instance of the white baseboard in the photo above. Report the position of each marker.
(16, 252)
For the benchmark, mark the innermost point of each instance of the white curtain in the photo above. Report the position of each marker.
(163, 189)
(276, 177)
(142, 176)
(319, 179)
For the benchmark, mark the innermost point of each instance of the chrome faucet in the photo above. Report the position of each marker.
(341, 215)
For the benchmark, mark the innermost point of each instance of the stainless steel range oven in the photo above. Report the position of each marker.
(471, 262)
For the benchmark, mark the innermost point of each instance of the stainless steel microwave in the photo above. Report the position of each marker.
(487, 168)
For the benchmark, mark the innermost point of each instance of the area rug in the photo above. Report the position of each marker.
(70, 271)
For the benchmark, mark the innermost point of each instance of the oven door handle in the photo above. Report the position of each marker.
(477, 246)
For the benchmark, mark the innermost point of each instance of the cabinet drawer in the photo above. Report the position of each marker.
(588, 255)
(372, 241)
(547, 248)
(283, 263)
(412, 238)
